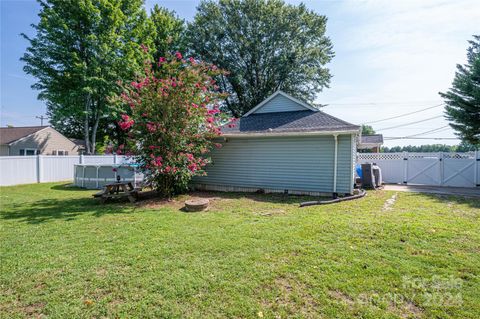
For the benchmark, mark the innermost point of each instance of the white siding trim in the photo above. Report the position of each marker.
(305, 105)
(309, 133)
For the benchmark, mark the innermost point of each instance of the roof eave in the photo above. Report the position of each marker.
(308, 133)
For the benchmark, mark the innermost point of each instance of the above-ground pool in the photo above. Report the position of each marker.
(97, 175)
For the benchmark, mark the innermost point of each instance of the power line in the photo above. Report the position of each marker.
(381, 103)
(420, 138)
(405, 114)
(410, 123)
(440, 129)
(415, 136)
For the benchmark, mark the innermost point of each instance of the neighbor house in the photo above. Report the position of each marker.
(371, 143)
(284, 145)
(35, 140)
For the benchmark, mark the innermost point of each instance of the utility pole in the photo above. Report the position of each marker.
(41, 119)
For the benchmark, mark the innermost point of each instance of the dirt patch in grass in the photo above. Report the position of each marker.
(152, 201)
(342, 297)
(291, 298)
(101, 272)
(34, 310)
(406, 309)
(270, 212)
(390, 202)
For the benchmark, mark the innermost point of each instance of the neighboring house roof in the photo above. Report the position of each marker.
(9, 135)
(372, 139)
(288, 122)
(80, 143)
(271, 97)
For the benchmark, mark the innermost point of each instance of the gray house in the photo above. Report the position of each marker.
(284, 145)
(35, 140)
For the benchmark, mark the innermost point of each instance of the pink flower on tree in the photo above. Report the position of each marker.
(126, 123)
(151, 127)
(144, 47)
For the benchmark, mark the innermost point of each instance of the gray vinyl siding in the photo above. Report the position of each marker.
(303, 163)
(344, 164)
(280, 104)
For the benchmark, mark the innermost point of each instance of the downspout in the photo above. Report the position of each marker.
(335, 162)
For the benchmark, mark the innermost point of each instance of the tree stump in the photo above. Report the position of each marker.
(196, 205)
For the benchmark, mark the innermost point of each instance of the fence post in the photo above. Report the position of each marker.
(476, 159)
(115, 159)
(441, 167)
(39, 168)
(81, 159)
(405, 167)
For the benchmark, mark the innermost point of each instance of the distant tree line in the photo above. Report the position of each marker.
(463, 147)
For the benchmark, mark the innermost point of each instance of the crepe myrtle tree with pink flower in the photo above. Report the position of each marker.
(172, 121)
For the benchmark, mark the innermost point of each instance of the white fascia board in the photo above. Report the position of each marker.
(311, 133)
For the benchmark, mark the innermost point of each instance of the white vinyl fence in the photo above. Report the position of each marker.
(440, 169)
(437, 169)
(15, 170)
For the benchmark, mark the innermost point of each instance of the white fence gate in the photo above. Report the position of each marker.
(438, 169)
(15, 170)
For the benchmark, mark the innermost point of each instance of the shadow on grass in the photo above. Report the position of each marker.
(69, 187)
(68, 209)
(473, 202)
(46, 210)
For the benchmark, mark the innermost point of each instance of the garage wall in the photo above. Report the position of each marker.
(303, 163)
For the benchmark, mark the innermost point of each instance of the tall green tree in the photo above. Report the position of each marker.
(266, 45)
(367, 130)
(80, 50)
(169, 32)
(463, 99)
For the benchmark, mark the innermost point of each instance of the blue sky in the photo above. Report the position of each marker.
(391, 57)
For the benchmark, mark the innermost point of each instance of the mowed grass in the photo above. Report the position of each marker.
(64, 255)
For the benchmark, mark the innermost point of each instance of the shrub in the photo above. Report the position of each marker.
(174, 116)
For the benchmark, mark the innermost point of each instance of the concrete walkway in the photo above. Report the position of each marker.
(461, 191)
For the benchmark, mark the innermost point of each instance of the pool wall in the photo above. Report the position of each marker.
(95, 176)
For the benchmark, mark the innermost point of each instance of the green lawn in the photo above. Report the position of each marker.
(64, 255)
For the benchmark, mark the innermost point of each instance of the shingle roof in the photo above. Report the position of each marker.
(11, 134)
(286, 122)
(372, 139)
(80, 143)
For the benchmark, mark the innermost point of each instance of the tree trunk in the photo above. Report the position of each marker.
(94, 135)
(95, 129)
(86, 126)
